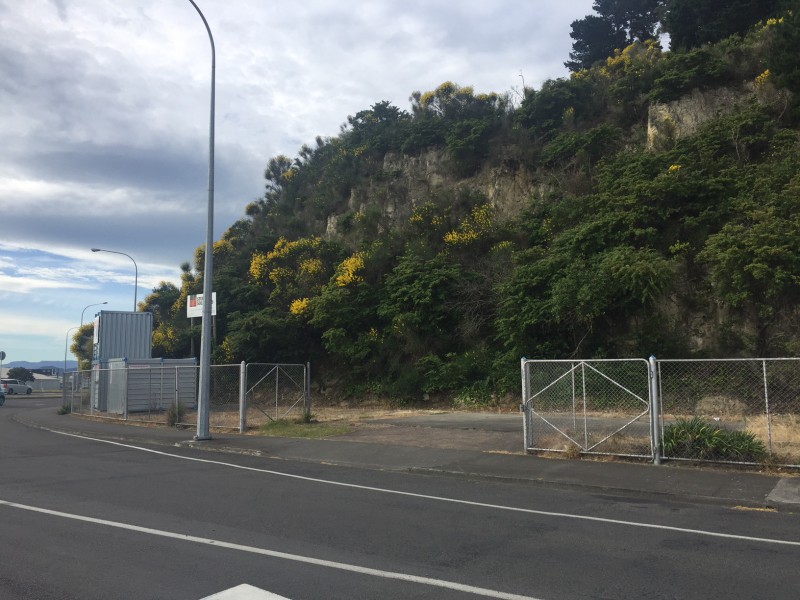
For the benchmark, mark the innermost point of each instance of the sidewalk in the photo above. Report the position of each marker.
(443, 447)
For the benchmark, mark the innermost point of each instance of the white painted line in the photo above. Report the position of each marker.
(529, 511)
(244, 592)
(450, 585)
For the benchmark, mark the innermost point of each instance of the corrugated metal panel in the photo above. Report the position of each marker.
(150, 384)
(123, 335)
(99, 388)
(117, 375)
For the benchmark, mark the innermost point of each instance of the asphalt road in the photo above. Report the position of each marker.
(90, 519)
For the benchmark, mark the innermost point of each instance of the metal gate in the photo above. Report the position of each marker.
(274, 390)
(588, 406)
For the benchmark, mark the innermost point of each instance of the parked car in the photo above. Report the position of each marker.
(15, 386)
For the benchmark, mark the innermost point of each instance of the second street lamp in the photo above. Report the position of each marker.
(91, 305)
(66, 345)
(135, 267)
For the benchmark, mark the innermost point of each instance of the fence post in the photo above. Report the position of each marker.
(524, 407)
(307, 391)
(243, 397)
(655, 411)
(766, 405)
(125, 389)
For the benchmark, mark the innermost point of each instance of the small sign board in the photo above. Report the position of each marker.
(194, 305)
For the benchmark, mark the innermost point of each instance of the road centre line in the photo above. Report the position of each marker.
(276, 554)
(502, 507)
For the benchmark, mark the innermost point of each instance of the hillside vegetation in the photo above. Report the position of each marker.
(647, 204)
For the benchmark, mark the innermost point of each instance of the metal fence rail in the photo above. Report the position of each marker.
(634, 407)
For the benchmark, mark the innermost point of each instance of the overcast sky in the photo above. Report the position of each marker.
(105, 114)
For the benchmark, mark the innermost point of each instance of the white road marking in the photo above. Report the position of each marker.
(450, 585)
(529, 511)
(244, 592)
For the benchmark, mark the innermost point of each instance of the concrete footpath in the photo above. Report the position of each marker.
(481, 446)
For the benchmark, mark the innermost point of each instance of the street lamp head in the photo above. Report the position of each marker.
(136, 270)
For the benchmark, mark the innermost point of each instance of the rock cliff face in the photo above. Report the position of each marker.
(681, 118)
(408, 181)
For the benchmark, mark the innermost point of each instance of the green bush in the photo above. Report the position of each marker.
(476, 397)
(696, 438)
(681, 72)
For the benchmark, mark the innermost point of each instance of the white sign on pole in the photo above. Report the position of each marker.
(194, 305)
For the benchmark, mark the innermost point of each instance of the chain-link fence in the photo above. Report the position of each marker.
(239, 395)
(223, 401)
(274, 391)
(736, 411)
(589, 407)
(76, 389)
(132, 392)
(753, 403)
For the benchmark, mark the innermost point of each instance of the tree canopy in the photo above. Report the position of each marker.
(691, 23)
(617, 24)
(20, 373)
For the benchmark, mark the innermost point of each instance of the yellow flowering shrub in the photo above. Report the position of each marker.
(258, 267)
(284, 248)
(285, 258)
(635, 58)
(773, 22)
(311, 266)
(299, 307)
(348, 271)
(423, 213)
(222, 247)
(503, 246)
(165, 337)
(279, 274)
(226, 352)
(478, 224)
(763, 79)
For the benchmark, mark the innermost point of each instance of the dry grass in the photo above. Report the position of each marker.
(300, 429)
(322, 414)
(785, 430)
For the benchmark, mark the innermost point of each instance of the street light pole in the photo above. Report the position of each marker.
(66, 341)
(205, 337)
(91, 305)
(135, 267)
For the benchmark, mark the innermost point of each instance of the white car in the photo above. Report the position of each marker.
(15, 386)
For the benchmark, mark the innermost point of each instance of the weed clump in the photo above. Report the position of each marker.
(175, 414)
